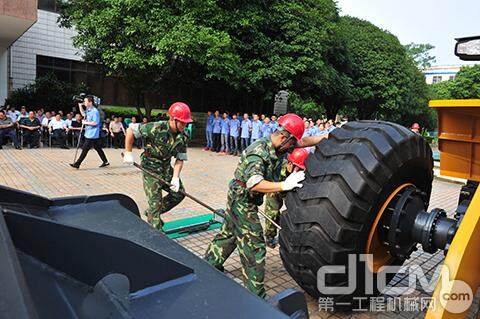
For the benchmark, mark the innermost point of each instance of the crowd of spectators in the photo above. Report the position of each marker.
(31, 129)
(231, 134)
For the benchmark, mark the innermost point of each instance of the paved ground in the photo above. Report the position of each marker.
(46, 172)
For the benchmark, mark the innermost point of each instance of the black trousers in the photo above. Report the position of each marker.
(9, 132)
(60, 137)
(31, 138)
(118, 139)
(216, 142)
(96, 143)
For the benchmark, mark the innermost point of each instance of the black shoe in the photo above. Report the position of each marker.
(271, 242)
(18, 147)
(75, 165)
(104, 164)
(65, 147)
(1, 147)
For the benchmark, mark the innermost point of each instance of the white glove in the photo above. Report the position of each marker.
(175, 184)
(128, 158)
(293, 181)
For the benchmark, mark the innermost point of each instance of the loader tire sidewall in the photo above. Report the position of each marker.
(416, 170)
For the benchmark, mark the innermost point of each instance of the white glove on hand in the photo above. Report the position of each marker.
(293, 181)
(175, 184)
(128, 158)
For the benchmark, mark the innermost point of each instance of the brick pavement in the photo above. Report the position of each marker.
(46, 172)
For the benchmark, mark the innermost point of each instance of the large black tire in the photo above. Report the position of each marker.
(348, 179)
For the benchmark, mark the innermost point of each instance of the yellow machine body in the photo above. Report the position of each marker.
(459, 145)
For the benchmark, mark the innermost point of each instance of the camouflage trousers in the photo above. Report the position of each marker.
(242, 230)
(273, 204)
(157, 204)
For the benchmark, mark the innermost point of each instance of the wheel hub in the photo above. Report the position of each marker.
(402, 223)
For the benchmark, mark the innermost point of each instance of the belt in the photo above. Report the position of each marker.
(239, 182)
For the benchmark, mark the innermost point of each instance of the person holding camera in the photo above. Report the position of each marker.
(92, 125)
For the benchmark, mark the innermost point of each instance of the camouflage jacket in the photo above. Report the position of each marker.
(160, 144)
(259, 162)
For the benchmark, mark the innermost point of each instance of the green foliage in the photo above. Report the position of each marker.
(386, 84)
(128, 112)
(256, 46)
(305, 108)
(47, 92)
(466, 84)
(441, 90)
(327, 63)
(420, 53)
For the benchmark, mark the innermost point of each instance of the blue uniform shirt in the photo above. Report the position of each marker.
(234, 126)
(256, 129)
(209, 124)
(217, 125)
(274, 125)
(225, 126)
(267, 129)
(92, 115)
(246, 126)
(314, 131)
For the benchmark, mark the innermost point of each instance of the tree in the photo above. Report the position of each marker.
(441, 90)
(145, 42)
(48, 92)
(386, 84)
(256, 46)
(420, 53)
(466, 84)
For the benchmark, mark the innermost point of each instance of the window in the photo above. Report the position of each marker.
(451, 77)
(436, 79)
(108, 89)
(48, 5)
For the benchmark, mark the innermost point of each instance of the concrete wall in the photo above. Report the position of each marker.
(3, 75)
(45, 37)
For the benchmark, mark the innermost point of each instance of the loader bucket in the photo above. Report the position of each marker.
(93, 257)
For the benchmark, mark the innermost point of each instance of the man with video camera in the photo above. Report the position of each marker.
(92, 125)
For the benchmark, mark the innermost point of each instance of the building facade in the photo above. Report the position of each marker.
(44, 47)
(16, 17)
(440, 73)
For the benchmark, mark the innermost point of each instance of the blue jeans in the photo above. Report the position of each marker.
(9, 132)
(245, 142)
(234, 144)
(224, 140)
(209, 136)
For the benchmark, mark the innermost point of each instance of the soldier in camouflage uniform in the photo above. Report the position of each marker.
(163, 140)
(274, 201)
(257, 173)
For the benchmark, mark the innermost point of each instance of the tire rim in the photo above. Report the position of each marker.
(375, 245)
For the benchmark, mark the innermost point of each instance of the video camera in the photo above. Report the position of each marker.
(80, 97)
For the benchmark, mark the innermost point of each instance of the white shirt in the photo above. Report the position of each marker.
(45, 121)
(13, 115)
(68, 123)
(55, 125)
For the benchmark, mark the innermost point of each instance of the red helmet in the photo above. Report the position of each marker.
(298, 157)
(180, 111)
(293, 124)
(415, 126)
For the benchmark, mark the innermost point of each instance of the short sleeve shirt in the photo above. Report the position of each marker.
(161, 144)
(30, 123)
(92, 115)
